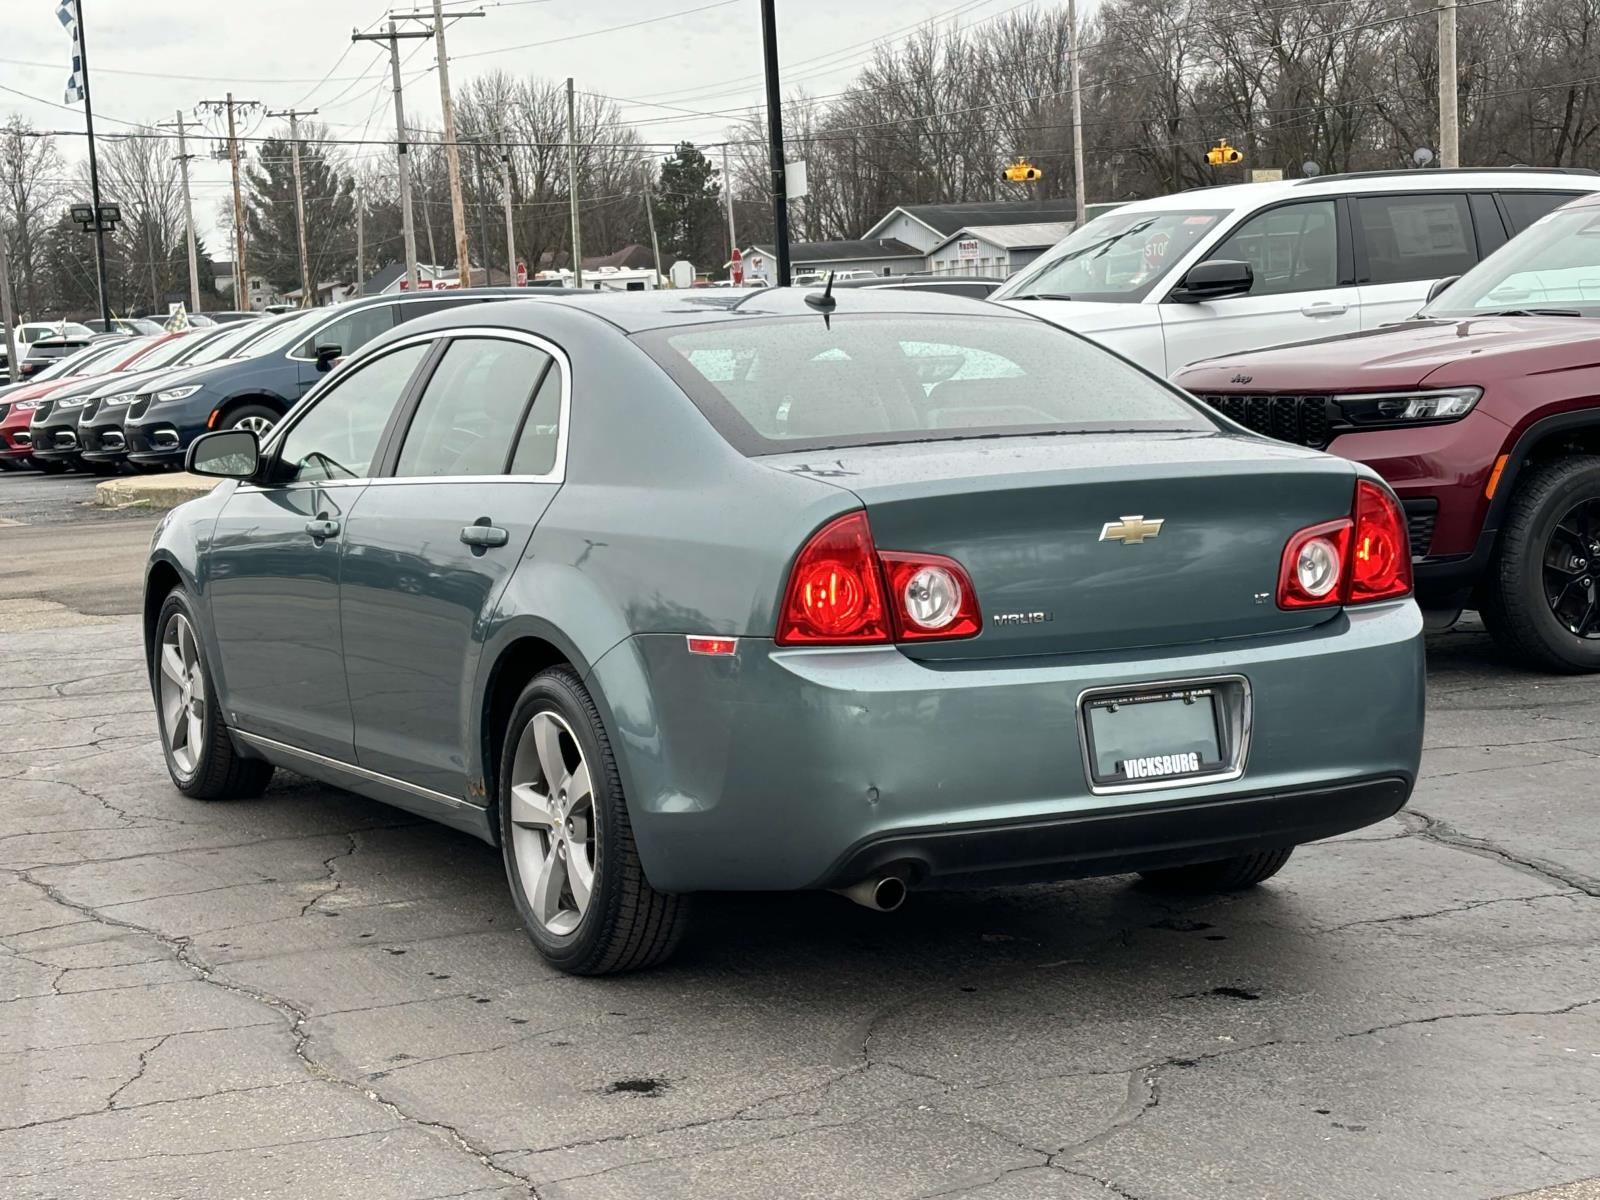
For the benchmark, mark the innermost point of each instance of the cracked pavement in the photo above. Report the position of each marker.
(314, 996)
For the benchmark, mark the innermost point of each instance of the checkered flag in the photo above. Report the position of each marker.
(67, 14)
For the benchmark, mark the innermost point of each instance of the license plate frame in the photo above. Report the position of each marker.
(1229, 700)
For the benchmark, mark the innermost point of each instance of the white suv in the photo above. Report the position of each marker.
(1282, 262)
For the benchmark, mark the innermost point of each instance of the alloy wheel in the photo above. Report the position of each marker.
(255, 425)
(553, 818)
(1571, 560)
(183, 694)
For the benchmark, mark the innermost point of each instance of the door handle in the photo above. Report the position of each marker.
(1324, 310)
(322, 528)
(483, 535)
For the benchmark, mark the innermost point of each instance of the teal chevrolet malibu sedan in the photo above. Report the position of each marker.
(870, 591)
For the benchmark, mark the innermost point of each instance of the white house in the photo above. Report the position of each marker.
(881, 256)
(995, 250)
(927, 226)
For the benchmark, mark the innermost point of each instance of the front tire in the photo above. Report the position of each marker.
(257, 418)
(194, 741)
(1542, 598)
(1225, 875)
(571, 862)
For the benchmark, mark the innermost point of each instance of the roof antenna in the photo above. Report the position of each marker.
(823, 301)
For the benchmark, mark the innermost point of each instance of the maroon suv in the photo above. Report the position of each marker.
(1483, 412)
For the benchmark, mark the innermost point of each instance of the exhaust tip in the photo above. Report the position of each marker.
(885, 893)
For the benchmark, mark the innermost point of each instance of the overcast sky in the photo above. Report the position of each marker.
(150, 59)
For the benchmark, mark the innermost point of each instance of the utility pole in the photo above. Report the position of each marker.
(8, 317)
(572, 184)
(308, 297)
(780, 189)
(1449, 130)
(650, 216)
(361, 242)
(94, 173)
(188, 212)
(452, 155)
(511, 230)
(727, 188)
(1080, 193)
(240, 274)
(407, 222)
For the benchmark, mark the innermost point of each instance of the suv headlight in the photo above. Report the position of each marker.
(29, 405)
(78, 402)
(117, 401)
(1422, 406)
(177, 393)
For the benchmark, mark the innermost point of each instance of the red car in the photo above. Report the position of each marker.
(1483, 413)
(17, 405)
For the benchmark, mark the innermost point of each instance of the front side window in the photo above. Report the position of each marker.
(469, 414)
(1120, 256)
(1414, 238)
(799, 383)
(338, 436)
(1294, 248)
(1555, 266)
(350, 332)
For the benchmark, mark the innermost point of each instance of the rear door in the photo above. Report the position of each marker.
(431, 546)
(1403, 243)
(1301, 291)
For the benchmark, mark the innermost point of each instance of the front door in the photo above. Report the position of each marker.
(431, 547)
(1403, 244)
(275, 564)
(1299, 290)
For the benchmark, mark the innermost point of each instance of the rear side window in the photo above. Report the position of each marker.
(1294, 248)
(799, 383)
(1411, 238)
(541, 429)
(470, 411)
(1524, 208)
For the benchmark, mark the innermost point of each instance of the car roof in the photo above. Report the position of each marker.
(635, 312)
(1251, 196)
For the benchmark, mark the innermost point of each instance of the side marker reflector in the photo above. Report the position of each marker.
(720, 646)
(1494, 476)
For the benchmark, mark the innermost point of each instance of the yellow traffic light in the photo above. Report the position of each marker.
(1023, 172)
(1223, 154)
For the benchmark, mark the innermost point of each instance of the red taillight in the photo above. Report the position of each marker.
(1354, 560)
(1381, 555)
(835, 593)
(842, 591)
(930, 596)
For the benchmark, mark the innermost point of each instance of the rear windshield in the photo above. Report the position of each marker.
(803, 383)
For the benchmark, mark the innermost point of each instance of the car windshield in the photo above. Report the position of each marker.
(35, 333)
(1553, 267)
(165, 354)
(228, 344)
(283, 332)
(1120, 256)
(799, 383)
(84, 362)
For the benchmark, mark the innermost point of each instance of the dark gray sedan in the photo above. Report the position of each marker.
(876, 591)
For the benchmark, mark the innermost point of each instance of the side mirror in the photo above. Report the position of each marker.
(225, 454)
(1214, 280)
(1439, 285)
(328, 356)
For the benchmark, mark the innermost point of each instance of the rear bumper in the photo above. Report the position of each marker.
(1117, 843)
(780, 769)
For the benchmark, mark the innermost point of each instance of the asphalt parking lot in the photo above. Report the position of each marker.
(314, 996)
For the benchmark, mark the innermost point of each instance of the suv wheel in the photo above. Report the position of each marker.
(199, 753)
(257, 418)
(570, 859)
(1542, 597)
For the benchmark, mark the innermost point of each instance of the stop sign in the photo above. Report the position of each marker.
(737, 274)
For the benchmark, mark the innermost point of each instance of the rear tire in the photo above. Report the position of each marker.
(623, 924)
(1516, 607)
(205, 766)
(1225, 875)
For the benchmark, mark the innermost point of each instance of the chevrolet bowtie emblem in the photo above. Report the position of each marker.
(1131, 531)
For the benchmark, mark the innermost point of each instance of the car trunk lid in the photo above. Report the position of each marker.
(1098, 542)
